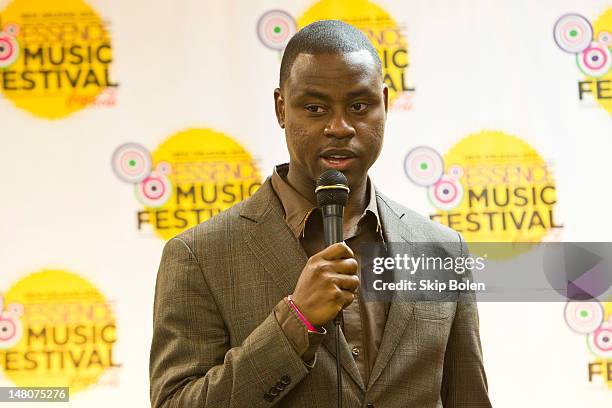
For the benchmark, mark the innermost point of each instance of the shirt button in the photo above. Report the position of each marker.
(355, 351)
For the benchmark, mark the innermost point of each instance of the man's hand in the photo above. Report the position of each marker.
(327, 284)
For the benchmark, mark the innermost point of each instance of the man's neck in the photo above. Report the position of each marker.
(357, 201)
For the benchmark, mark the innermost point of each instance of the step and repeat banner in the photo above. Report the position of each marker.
(123, 123)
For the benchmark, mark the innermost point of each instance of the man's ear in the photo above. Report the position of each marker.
(279, 107)
(386, 96)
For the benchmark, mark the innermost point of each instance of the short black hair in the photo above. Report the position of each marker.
(325, 37)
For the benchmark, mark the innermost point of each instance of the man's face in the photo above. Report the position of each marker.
(333, 108)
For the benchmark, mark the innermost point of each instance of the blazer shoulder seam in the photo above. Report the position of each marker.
(197, 262)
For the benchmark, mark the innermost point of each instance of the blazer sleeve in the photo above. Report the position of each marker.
(464, 382)
(191, 363)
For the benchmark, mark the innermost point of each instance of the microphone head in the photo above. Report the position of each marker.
(332, 188)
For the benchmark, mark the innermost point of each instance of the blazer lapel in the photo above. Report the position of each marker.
(401, 311)
(271, 240)
(346, 358)
(283, 257)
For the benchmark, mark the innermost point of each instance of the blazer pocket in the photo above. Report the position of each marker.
(433, 310)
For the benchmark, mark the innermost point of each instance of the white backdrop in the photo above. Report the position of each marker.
(474, 65)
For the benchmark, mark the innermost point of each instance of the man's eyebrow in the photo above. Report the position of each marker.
(362, 92)
(310, 93)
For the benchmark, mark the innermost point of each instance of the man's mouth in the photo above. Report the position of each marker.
(340, 160)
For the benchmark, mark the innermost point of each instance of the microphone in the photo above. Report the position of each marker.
(332, 194)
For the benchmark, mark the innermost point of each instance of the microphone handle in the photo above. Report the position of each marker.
(332, 223)
(332, 229)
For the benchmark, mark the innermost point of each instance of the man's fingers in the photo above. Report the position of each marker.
(344, 297)
(337, 251)
(346, 266)
(348, 298)
(349, 283)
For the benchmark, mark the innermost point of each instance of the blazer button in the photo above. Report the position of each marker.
(268, 397)
(355, 351)
(370, 406)
(273, 391)
(279, 386)
(285, 379)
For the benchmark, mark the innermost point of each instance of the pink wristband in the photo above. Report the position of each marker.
(306, 322)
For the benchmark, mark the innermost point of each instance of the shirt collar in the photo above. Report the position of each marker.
(298, 208)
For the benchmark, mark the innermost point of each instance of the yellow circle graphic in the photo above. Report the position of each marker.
(197, 174)
(68, 331)
(502, 190)
(62, 56)
(380, 28)
(603, 25)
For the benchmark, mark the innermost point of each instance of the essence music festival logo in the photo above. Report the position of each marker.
(11, 328)
(190, 177)
(590, 44)
(55, 57)
(58, 331)
(276, 27)
(594, 321)
(490, 186)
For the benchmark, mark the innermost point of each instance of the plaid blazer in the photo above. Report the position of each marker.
(217, 343)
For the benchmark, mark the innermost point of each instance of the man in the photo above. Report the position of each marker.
(245, 302)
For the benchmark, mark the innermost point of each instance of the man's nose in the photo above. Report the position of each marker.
(338, 127)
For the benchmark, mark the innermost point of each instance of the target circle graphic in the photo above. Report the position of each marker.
(11, 29)
(573, 33)
(154, 190)
(163, 168)
(605, 38)
(455, 171)
(595, 61)
(600, 341)
(131, 162)
(423, 166)
(9, 50)
(8, 329)
(446, 194)
(583, 317)
(275, 28)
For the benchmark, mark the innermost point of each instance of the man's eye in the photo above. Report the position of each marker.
(314, 109)
(359, 106)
